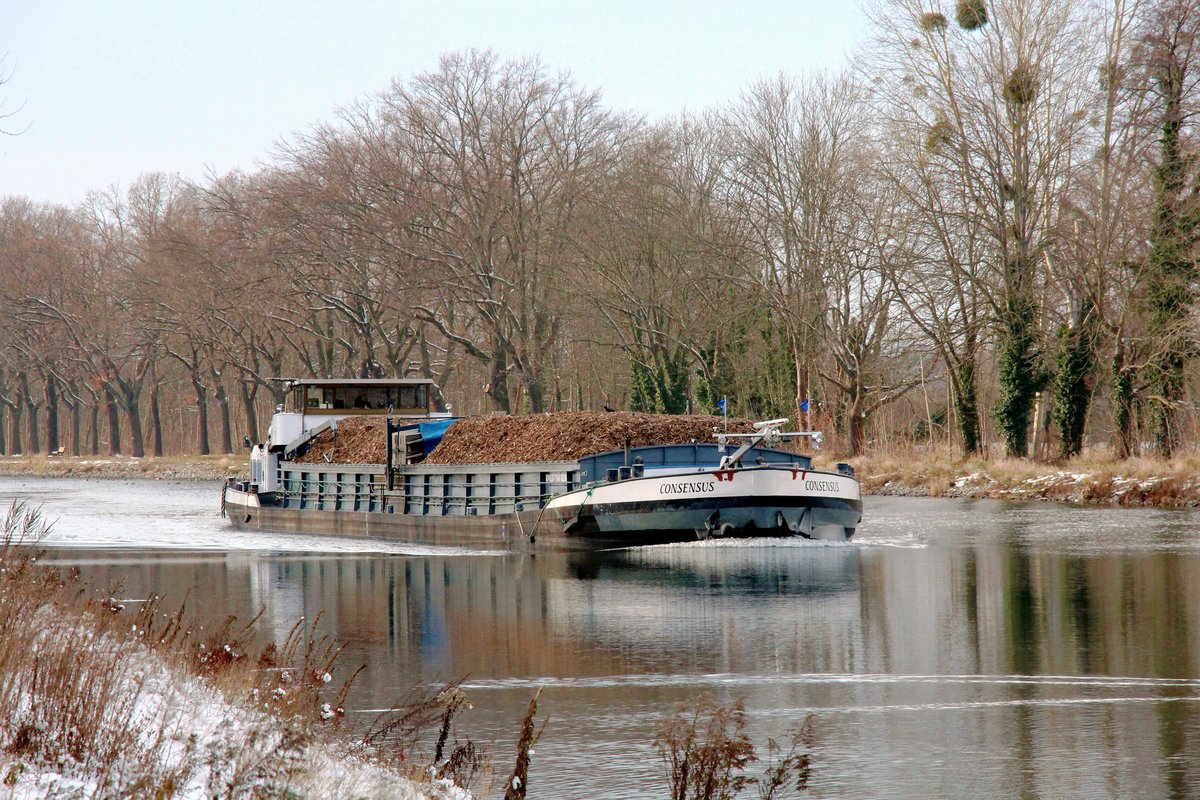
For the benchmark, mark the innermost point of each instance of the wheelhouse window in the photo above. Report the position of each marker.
(363, 398)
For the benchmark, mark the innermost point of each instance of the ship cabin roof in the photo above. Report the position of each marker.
(359, 381)
(397, 396)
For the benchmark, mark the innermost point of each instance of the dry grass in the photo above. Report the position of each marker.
(168, 468)
(707, 753)
(518, 781)
(92, 690)
(1094, 477)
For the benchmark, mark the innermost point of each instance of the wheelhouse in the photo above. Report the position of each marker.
(341, 396)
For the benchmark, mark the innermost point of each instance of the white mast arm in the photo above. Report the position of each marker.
(768, 431)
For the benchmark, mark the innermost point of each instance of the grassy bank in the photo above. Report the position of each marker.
(178, 468)
(1093, 478)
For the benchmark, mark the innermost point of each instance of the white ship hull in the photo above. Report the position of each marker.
(749, 500)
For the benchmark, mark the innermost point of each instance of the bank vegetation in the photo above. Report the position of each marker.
(104, 696)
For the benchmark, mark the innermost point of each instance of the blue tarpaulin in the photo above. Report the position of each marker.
(432, 433)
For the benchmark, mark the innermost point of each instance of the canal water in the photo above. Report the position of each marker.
(953, 649)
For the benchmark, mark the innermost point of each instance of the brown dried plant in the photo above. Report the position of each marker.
(707, 752)
(518, 781)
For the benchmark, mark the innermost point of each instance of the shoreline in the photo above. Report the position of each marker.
(169, 468)
(1094, 480)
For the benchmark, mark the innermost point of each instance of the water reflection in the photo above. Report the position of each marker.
(954, 650)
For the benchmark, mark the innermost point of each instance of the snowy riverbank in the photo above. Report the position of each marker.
(169, 735)
(98, 700)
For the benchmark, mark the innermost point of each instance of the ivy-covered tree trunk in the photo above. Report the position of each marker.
(534, 390)
(1172, 267)
(1073, 382)
(709, 385)
(1123, 403)
(641, 387)
(966, 402)
(1020, 376)
(660, 386)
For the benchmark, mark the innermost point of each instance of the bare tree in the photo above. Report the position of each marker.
(500, 154)
(999, 96)
(790, 153)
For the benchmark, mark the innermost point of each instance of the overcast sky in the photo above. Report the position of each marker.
(102, 91)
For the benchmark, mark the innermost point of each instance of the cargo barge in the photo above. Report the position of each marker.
(739, 485)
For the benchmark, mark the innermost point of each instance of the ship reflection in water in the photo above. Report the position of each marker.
(957, 649)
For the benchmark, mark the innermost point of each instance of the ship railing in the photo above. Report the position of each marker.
(426, 494)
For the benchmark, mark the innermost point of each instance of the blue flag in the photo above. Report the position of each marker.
(721, 405)
(804, 404)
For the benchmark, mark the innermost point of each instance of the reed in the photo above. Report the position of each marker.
(518, 781)
(1094, 477)
(707, 754)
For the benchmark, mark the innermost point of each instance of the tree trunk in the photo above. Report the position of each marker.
(1073, 387)
(249, 391)
(51, 388)
(1123, 377)
(803, 415)
(76, 424)
(15, 428)
(156, 434)
(35, 437)
(966, 404)
(1019, 374)
(498, 386)
(114, 421)
(855, 426)
(201, 415)
(1171, 264)
(94, 436)
(533, 390)
(226, 421)
(133, 414)
(3, 432)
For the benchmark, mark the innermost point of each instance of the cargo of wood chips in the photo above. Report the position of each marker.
(356, 440)
(559, 436)
(568, 435)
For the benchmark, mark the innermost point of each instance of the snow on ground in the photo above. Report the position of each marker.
(183, 733)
